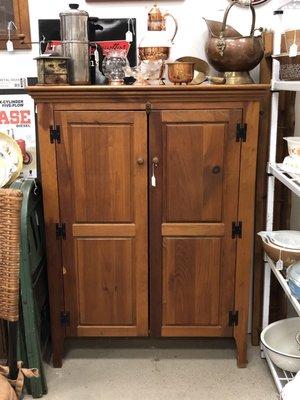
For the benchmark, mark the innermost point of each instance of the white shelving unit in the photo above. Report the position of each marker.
(291, 181)
(281, 279)
(281, 377)
(292, 86)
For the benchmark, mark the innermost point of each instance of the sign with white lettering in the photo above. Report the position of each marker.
(18, 120)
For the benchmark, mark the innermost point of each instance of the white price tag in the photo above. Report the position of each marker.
(293, 50)
(96, 54)
(153, 181)
(129, 37)
(279, 265)
(9, 45)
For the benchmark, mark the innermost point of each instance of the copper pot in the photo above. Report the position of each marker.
(181, 72)
(234, 53)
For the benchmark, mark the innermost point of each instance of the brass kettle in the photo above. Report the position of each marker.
(232, 53)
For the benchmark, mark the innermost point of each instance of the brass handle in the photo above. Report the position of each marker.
(234, 2)
(155, 161)
(140, 161)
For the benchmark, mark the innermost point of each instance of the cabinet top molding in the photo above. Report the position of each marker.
(135, 94)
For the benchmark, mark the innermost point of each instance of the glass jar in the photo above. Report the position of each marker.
(114, 66)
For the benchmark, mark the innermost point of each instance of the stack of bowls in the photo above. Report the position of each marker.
(281, 340)
(292, 161)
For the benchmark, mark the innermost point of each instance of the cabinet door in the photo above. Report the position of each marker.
(194, 204)
(102, 173)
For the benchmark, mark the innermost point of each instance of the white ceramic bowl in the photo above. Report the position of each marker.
(287, 255)
(293, 146)
(280, 342)
(286, 239)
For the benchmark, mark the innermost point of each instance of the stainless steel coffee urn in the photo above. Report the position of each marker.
(75, 43)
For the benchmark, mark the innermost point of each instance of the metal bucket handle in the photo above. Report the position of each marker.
(226, 15)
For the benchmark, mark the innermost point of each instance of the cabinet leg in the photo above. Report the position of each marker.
(57, 353)
(241, 346)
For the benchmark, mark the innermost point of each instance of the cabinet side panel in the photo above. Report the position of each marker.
(52, 216)
(246, 214)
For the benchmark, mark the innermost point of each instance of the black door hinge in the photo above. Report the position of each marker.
(233, 318)
(241, 132)
(65, 318)
(60, 231)
(237, 229)
(55, 134)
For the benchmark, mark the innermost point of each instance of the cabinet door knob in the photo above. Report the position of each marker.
(140, 161)
(155, 161)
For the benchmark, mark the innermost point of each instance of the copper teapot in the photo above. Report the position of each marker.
(233, 53)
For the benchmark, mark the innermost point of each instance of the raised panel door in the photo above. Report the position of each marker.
(194, 202)
(102, 174)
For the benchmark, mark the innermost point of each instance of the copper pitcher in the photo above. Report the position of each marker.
(233, 53)
(157, 21)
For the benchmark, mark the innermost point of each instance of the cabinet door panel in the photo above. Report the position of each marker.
(103, 202)
(191, 281)
(105, 276)
(193, 185)
(112, 187)
(193, 206)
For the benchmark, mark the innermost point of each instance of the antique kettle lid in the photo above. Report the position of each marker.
(74, 10)
(155, 14)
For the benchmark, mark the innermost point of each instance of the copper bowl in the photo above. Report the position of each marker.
(240, 54)
(181, 72)
(154, 53)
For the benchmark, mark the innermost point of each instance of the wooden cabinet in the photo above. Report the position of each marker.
(149, 204)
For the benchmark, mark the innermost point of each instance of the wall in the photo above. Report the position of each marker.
(189, 41)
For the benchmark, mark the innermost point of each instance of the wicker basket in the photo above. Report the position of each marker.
(10, 206)
(289, 67)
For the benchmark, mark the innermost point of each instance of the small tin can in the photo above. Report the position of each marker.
(53, 70)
